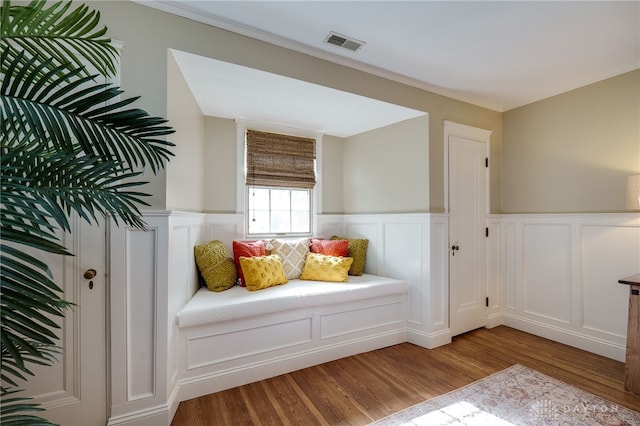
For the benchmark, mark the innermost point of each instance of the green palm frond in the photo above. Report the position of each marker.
(69, 146)
(45, 30)
(64, 114)
(30, 299)
(13, 411)
(64, 182)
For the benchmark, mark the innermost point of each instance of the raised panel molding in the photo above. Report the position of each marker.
(546, 273)
(402, 241)
(225, 227)
(511, 256)
(250, 341)
(343, 323)
(619, 248)
(410, 247)
(438, 274)
(140, 300)
(495, 280)
(560, 275)
(553, 275)
(139, 333)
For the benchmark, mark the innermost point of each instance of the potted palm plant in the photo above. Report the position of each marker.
(70, 144)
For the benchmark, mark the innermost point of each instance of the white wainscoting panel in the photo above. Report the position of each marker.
(141, 293)
(369, 228)
(495, 280)
(246, 341)
(510, 251)
(139, 275)
(185, 231)
(554, 275)
(438, 296)
(224, 227)
(405, 262)
(617, 247)
(546, 275)
(560, 274)
(409, 247)
(362, 319)
(329, 225)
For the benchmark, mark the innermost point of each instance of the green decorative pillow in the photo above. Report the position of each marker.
(321, 267)
(216, 265)
(358, 251)
(262, 271)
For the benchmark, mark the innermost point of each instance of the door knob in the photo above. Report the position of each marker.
(453, 249)
(89, 274)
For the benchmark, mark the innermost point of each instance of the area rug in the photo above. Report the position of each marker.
(515, 396)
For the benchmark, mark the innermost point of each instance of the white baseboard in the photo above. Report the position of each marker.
(149, 417)
(494, 320)
(428, 340)
(567, 337)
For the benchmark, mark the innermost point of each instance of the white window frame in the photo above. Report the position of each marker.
(279, 234)
(242, 191)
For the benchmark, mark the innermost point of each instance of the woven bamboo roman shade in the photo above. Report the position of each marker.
(280, 160)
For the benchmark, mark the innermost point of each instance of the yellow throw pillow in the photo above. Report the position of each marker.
(321, 267)
(216, 265)
(262, 271)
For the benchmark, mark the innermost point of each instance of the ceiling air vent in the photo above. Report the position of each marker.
(343, 41)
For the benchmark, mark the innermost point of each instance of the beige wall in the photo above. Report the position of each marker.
(385, 170)
(219, 165)
(370, 172)
(332, 174)
(185, 175)
(148, 33)
(573, 152)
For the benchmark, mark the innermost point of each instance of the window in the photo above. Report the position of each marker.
(279, 210)
(280, 176)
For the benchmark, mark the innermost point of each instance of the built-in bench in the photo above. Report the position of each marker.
(237, 336)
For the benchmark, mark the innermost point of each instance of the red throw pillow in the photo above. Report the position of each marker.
(247, 249)
(330, 247)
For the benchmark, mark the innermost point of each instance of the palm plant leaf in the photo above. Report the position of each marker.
(13, 411)
(64, 114)
(29, 299)
(69, 146)
(56, 31)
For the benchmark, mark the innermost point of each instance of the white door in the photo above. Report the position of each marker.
(73, 391)
(467, 240)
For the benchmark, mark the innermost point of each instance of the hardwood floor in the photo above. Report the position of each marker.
(362, 388)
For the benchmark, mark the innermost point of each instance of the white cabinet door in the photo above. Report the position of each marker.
(73, 390)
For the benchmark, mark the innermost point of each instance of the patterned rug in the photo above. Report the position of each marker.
(515, 396)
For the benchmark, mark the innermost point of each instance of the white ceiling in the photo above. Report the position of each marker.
(232, 91)
(496, 54)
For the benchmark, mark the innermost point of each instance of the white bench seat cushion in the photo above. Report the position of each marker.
(207, 307)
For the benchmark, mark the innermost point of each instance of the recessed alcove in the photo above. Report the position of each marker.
(362, 138)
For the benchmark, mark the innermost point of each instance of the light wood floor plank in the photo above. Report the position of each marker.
(359, 389)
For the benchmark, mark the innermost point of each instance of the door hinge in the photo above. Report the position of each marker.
(486, 232)
(486, 162)
(486, 302)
